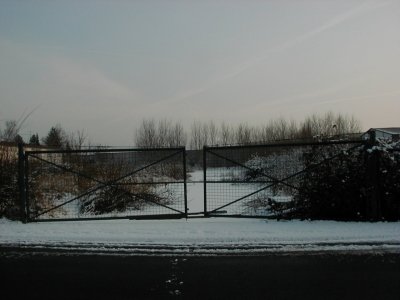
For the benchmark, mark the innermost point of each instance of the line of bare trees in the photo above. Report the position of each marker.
(165, 133)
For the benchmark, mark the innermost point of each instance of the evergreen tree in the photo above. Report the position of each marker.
(18, 139)
(34, 140)
(55, 138)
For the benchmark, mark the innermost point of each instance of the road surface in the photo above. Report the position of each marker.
(38, 275)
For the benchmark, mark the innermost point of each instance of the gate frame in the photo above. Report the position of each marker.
(23, 182)
(290, 143)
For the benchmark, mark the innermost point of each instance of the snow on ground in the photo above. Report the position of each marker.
(203, 235)
(195, 192)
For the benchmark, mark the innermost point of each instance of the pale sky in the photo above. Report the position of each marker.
(103, 66)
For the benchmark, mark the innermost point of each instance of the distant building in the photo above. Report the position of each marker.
(9, 150)
(392, 133)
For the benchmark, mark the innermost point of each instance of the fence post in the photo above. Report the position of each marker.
(184, 181)
(21, 181)
(205, 179)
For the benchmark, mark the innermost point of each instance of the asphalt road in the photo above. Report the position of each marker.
(273, 276)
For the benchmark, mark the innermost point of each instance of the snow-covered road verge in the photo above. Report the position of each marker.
(201, 236)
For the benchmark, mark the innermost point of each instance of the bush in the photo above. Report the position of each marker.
(363, 184)
(122, 195)
(347, 182)
(335, 189)
(9, 207)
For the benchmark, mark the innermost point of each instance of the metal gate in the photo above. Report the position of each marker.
(104, 184)
(253, 180)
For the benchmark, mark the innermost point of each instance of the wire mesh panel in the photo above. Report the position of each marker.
(93, 184)
(261, 180)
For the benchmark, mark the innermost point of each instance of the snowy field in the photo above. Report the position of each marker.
(195, 192)
(202, 236)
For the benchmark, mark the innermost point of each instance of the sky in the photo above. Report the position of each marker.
(104, 66)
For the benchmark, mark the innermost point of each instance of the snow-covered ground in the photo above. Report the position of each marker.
(201, 236)
(195, 192)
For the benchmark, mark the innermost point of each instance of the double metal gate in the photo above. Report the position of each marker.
(239, 181)
(104, 184)
(258, 180)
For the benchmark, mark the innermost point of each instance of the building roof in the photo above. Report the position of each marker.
(13, 144)
(388, 130)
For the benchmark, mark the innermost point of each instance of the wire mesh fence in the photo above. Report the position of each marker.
(263, 180)
(346, 180)
(97, 184)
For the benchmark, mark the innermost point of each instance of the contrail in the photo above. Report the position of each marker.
(337, 20)
(334, 22)
(24, 117)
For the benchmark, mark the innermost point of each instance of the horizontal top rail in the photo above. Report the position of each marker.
(105, 150)
(282, 144)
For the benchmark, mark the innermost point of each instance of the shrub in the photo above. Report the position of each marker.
(120, 195)
(9, 207)
(363, 184)
(337, 182)
(335, 189)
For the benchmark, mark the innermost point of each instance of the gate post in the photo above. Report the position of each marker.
(21, 182)
(184, 181)
(205, 179)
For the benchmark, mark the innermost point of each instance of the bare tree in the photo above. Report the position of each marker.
(196, 135)
(281, 129)
(267, 132)
(205, 135)
(226, 135)
(10, 131)
(292, 132)
(146, 134)
(163, 134)
(212, 133)
(354, 125)
(243, 134)
(176, 135)
(13, 127)
(329, 125)
(76, 140)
